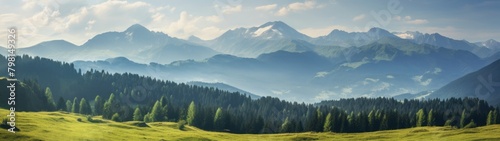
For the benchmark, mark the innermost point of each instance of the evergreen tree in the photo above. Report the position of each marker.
(98, 105)
(285, 127)
(138, 114)
(328, 123)
(191, 114)
(50, 100)
(472, 124)
(156, 112)
(110, 107)
(147, 117)
(76, 106)
(495, 117)
(384, 123)
(85, 107)
(68, 105)
(371, 121)
(219, 122)
(462, 119)
(312, 120)
(299, 127)
(61, 105)
(321, 120)
(420, 117)
(430, 118)
(490, 119)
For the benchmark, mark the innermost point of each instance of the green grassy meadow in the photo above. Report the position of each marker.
(62, 126)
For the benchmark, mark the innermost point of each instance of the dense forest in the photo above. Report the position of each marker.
(48, 85)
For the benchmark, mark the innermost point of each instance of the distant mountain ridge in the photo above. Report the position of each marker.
(136, 43)
(483, 83)
(385, 68)
(224, 87)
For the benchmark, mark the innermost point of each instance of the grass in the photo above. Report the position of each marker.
(61, 126)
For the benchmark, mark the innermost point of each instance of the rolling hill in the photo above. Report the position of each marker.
(65, 126)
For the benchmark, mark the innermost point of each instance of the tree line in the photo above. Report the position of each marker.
(130, 97)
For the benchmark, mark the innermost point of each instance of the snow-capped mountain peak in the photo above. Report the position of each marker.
(268, 31)
(261, 30)
(490, 44)
(408, 34)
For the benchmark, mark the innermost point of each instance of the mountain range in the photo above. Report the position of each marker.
(136, 43)
(483, 83)
(276, 60)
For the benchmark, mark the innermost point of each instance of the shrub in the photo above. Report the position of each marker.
(4, 121)
(181, 124)
(116, 117)
(448, 122)
(89, 118)
(79, 120)
(471, 124)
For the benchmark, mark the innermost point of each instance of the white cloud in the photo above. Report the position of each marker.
(200, 26)
(390, 76)
(210, 32)
(229, 9)
(359, 17)
(321, 74)
(347, 90)
(297, 6)
(266, 7)
(184, 26)
(214, 19)
(280, 92)
(382, 86)
(419, 80)
(370, 80)
(324, 95)
(409, 20)
(437, 71)
(417, 21)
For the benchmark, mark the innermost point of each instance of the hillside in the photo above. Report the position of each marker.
(483, 84)
(64, 126)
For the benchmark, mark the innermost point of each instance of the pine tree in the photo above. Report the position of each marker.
(420, 117)
(312, 121)
(218, 119)
(384, 123)
(495, 117)
(109, 107)
(191, 114)
(328, 123)
(472, 124)
(68, 105)
(156, 112)
(76, 106)
(98, 105)
(430, 118)
(491, 119)
(137, 114)
(285, 127)
(462, 119)
(50, 100)
(147, 117)
(321, 120)
(61, 105)
(84, 107)
(371, 120)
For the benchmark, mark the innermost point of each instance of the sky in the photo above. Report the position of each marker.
(79, 20)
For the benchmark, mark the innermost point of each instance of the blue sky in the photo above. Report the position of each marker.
(78, 20)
